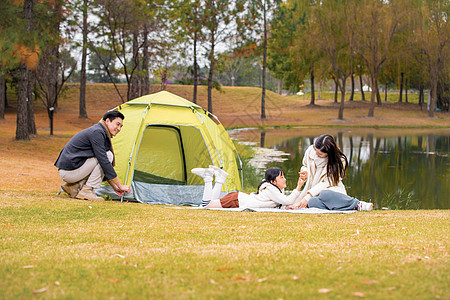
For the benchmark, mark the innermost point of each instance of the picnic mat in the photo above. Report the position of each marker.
(277, 210)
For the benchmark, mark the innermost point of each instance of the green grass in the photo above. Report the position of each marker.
(68, 249)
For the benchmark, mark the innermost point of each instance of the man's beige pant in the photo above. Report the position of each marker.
(90, 173)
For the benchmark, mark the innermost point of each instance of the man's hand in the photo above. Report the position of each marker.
(118, 187)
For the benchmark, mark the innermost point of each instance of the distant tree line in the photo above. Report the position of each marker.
(273, 43)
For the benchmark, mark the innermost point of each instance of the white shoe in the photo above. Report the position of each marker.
(220, 174)
(203, 172)
(365, 206)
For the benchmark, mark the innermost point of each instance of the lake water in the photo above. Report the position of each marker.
(395, 169)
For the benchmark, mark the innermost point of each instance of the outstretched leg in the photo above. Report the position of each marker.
(333, 201)
(220, 176)
(207, 175)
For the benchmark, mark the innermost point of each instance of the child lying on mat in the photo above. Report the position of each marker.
(270, 192)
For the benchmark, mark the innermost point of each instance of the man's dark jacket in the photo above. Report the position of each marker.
(91, 142)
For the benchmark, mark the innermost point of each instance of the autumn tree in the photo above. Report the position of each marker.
(336, 30)
(221, 20)
(188, 25)
(56, 65)
(280, 61)
(432, 43)
(78, 21)
(376, 25)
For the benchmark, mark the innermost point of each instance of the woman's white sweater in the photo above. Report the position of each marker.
(317, 179)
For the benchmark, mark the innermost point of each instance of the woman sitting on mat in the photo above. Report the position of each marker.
(324, 166)
(270, 192)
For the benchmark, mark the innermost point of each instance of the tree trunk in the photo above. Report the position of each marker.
(145, 86)
(434, 83)
(400, 95)
(335, 90)
(82, 105)
(372, 97)
(378, 93)
(279, 86)
(50, 120)
(320, 90)
(362, 91)
(30, 104)
(194, 97)
(263, 96)
(406, 90)
(313, 96)
(421, 95)
(341, 106)
(385, 92)
(211, 73)
(353, 87)
(22, 111)
(22, 114)
(2, 96)
(134, 71)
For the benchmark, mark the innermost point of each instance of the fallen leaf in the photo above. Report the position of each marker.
(244, 278)
(114, 280)
(7, 224)
(57, 283)
(324, 291)
(224, 269)
(28, 267)
(339, 268)
(392, 272)
(262, 279)
(212, 281)
(40, 291)
(149, 266)
(392, 288)
(295, 277)
(368, 282)
(120, 255)
(358, 294)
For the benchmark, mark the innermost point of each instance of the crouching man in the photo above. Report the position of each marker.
(88, 159)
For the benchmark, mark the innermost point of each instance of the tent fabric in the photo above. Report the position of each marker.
(164, 136)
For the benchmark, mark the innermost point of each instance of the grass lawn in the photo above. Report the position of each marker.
(60, 248)
(68, 249)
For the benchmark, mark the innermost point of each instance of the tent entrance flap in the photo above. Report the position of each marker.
(160, 158)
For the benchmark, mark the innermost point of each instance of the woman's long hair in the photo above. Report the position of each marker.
(335, 167)
(270, 175)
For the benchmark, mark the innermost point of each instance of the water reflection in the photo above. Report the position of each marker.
(397, 172)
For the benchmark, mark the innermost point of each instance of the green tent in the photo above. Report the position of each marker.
(164, 136)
